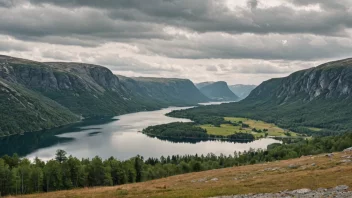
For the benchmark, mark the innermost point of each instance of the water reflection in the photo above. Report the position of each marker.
(30, 142)
(196, 140)
(119, 137)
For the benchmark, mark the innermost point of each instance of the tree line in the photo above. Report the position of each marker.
(22, 176)
(191, 130)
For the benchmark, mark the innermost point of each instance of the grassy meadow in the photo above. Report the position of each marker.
(229, 129)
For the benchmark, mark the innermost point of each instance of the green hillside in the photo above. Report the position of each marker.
(37, 95)
(23, 110)
(319, 97)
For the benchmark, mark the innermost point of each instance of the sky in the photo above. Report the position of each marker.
(238, 41)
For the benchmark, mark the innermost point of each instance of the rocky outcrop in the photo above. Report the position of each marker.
(332, 80)
(339, 191)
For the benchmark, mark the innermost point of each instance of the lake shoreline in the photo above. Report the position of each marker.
(118, 136)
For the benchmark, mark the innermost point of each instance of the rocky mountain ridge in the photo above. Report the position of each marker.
(331, 80)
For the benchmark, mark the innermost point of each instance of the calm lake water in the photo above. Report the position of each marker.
(119, 137)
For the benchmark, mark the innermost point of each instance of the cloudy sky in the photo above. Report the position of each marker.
(239, 41)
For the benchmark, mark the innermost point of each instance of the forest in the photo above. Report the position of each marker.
(295, 118)
(22, 176)
(190, 130)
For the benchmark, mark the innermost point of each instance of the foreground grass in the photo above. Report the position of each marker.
(260, 178)
(228, 129)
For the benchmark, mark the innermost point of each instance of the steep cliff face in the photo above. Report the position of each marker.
(242, 91)
(165, 91)
(86, 90)
(330, 81)
(218, 91)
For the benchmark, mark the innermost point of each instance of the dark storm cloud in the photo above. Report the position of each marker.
(6, 3)
(252, 47)
(210, 15)
(252, 3)
(84, 26)
(186, 29)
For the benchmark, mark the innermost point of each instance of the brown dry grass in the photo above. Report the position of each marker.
(237, 180)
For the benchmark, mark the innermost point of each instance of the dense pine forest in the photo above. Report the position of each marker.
(21, 176)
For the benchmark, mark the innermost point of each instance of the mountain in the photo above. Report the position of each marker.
(203, 84)
(24, 110)
(328, 82)
(36, 95)
(314, 100)
(164, 91)
(218, 91)
(87, 90)
(242, 91)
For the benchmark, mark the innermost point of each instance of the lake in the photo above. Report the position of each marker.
(119, 137)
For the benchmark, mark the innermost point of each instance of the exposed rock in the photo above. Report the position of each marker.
(341, 188)
(199, 180)
(330, 155)
(293, 166)
(338, 192)
(301, 191)
(346, 161)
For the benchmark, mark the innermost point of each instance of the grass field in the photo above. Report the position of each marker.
(314, 129)
(224, 129)
(228, 129)
(259, 178)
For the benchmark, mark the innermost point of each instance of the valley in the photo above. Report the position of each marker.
(125, 128)
(120, 137)
(77, 91)
(176, 98)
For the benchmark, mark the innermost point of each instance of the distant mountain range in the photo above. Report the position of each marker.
(242, 91)
(316, 100)
(36, 96)
(217, 91)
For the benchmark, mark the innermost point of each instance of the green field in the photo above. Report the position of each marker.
(314, 129)
(228, 129)
(224, 129)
